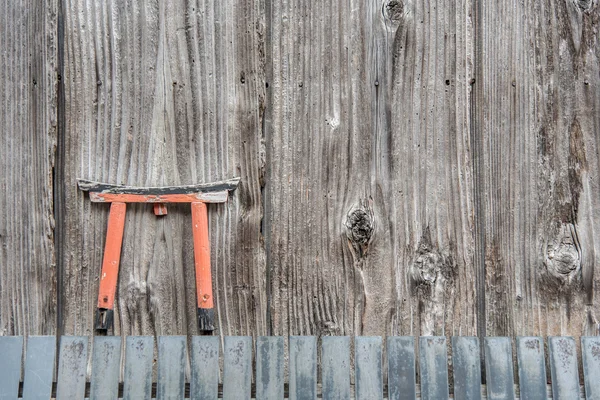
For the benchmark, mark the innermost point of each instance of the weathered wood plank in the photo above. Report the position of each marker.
(466, 367)
(532, 368)
(563, 368)
(328, 204)
(160, 94)
(433, 367)
(499, 368)
(39, 367)
(536, 94)
(11, 349)
(72, 367)
(106, 368)
(590, 352)
(204, 382)
(335, 367)
(369, 377)
(270, 368)
(28, 122)
(402, 383)
(137, 378)
(172, 356)
(237, 367)
(303, 368)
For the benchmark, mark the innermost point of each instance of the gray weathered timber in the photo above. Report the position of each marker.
(369, 190)
(335, 367)
(433, 367)
(466, 367)
(499, 368)
(563, 368)
(11, 350)
(106, 368)
(237, 367)
(270, 367)
(39, 367)
(535, 101)
(532, 368)
(369, 377)
(72, 367)
(590, 352)
(28, 124)
(204, 363)
(401, 368)
(137, 378)
(303, 367)
(164, 93)
(172, 358)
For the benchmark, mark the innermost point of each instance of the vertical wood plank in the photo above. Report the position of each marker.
(563, 368)
(590, 351)
(148, 103)
(269, 368)
(327, 193)
(172, 357)
(532, 368)
(335, 367)
(106, 368)
(433, 367)
(499, 368)
(237, 367)
(303, 367)
(401, 368)
(72, 367)
(466, 367)
(11, 349)
(204, 356)
(28, 122)
(39, 367)
(534, 90)
(139, 358)
(369, 377)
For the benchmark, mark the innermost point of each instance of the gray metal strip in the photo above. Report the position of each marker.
(39, 367)
(369, 379)
(335, 367)
(532, 367)
(171, 367)
(499, 372)
(139, 357)
(563, 368)
(269, 368)
(106, 365)
(402, 384)
(205, 368)
(237, 368)
(590, 349)
(303, 368)
(72, 367)
(11, 349)
(433, 362)
(467, 367)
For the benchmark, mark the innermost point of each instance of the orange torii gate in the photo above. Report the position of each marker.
(119, 196)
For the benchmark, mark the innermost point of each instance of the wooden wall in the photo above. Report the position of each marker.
(407, 167)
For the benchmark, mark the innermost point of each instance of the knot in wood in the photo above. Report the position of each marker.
(360, 224)
(563, 255)
(393, 10)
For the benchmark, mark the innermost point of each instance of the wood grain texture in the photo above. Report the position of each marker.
(369, 190)
(28, 95)
(536, 124)
(164, 93)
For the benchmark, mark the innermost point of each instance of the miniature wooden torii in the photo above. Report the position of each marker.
(119, 196)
